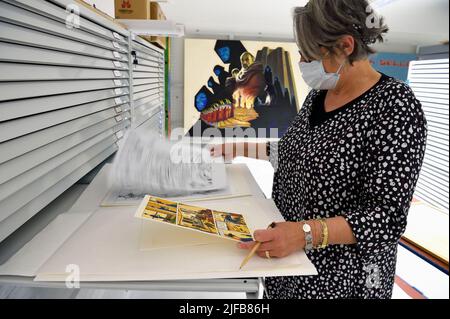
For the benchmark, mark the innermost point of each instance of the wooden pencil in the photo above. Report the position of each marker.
(254, 249)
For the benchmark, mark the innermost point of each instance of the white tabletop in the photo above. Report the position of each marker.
(105, 243)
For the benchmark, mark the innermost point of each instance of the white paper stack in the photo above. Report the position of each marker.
(114, 246)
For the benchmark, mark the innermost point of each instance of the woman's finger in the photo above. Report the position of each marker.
(263, 254)
(216, 150)
(267, 246)
(263, 247)
(246, 245)
(265, 235)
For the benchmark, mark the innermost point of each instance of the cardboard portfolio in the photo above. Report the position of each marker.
(142, 10)
(133, 9)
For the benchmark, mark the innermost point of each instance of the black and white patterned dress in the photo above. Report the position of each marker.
(362, 162)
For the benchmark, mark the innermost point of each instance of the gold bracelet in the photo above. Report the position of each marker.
(324, 242)
(319, 240)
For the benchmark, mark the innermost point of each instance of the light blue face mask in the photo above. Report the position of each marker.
(317, 78)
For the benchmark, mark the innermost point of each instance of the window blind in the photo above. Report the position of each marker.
(429, 80)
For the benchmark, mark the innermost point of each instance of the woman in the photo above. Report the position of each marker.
(347, 167)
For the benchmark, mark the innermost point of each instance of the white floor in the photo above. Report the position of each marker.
(431, 282)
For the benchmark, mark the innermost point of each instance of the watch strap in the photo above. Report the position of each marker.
(308, 237)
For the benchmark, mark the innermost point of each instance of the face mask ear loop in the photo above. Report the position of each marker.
(340, 67)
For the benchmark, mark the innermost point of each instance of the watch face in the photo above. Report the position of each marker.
(306, 228)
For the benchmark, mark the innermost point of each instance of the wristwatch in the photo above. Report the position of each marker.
(308, 236)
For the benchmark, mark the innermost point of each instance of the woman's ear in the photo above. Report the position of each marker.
(347, 45)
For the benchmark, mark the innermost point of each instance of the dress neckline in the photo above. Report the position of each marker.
(318, 115)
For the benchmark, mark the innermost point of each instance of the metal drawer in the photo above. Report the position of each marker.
(19, 182)
(33, 89)
(27, 161)
(29, 124)
(59, 13)
(144, 94)
(26, 36)
(146, 87)
(32, 190)
(12, 14)
(29, 142)
(25, 54)
(14, 221)
(20, 108)
(31, 72)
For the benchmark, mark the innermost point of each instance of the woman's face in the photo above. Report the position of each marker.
(332, 62)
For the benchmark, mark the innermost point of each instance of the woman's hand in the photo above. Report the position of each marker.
(280, 241)
(227, 151)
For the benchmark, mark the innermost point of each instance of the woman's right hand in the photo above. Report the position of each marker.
(227, 151)
(230, 151)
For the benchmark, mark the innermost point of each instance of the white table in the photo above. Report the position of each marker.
(90, 200)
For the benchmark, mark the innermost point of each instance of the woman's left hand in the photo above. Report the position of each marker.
(280, 241)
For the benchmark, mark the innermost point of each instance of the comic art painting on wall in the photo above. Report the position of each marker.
(240, 84)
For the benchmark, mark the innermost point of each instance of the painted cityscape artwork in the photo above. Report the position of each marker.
(240, 84)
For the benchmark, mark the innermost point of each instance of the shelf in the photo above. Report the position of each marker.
(154, 27)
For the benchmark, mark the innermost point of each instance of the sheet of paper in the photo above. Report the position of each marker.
(35, 253)
(96, 191)
(148, 164)
(120, 198)
(240, 184)
(158, 237)
(107, 247)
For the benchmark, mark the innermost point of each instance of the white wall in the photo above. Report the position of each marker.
(107, 6)
(411, 22)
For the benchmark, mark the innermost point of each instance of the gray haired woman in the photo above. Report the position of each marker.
(347, 167)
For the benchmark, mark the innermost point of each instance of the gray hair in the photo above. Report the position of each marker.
(322, 23)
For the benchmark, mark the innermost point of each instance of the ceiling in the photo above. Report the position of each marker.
(411, 22)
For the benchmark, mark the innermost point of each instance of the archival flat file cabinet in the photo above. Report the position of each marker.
(148, 85)
(68, 92)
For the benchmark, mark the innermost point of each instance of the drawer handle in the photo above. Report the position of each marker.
(135, 59)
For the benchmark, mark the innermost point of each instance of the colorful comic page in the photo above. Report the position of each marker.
(222, 224)
(160, 210)
(231, 225)
(198, 218)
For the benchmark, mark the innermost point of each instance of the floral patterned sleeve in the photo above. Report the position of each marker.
(272, 150)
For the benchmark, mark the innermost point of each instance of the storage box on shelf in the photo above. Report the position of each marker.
(142, 10)
(133, 9)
